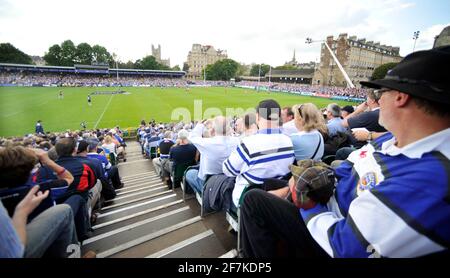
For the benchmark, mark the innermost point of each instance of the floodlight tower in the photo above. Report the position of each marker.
(259, 77)
(415, 37)
(349, 82)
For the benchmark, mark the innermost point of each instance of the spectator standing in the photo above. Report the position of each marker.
(39, 129)
(213, 151)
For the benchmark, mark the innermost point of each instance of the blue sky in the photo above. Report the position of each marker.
(252, 31)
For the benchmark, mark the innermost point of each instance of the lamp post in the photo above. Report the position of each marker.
(259, 77)
(117, 69)
(349, 82)
(415, 37)
(204, 71)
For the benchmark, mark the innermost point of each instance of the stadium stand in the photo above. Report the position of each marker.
(388, 199)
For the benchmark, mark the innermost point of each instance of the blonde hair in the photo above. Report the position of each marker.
(108, 139)
(309, 118)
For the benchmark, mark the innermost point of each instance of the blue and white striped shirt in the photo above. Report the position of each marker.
(264, 155)
(389, 202)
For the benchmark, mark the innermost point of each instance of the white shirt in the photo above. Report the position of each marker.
(110, 147)
(214, 151)
(289, 128)
(436, 142)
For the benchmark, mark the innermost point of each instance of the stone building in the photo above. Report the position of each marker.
(200, 56)
(156, 52)
(358, 57)
(443, 38)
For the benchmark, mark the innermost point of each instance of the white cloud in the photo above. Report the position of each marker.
(251, 31)
(426, 38)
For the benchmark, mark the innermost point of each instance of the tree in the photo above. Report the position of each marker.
(83, 54)
(101, 56)
(243, 70)
(10, 54)
(381, 71)
(148, 62)
(68, 54)
(222, 70)
(254, 71)
(163, 67)
(176, 67)
(185, 67)
(127, 65)
(53, 56)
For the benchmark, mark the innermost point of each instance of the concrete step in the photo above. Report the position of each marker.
(125, 178)
(146, 219)
(145, 197)
(163, 241)
(202, 245)
(136, 167)
(106, 226)
(136, 188)
(136, 208)
(125, 234)
(154, 233)
(137, 194)
(230, 254)
(141, 180)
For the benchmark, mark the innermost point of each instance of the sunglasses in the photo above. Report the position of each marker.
(382, 90)
(300, 110)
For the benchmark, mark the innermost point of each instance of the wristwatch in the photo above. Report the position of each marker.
(369, 136)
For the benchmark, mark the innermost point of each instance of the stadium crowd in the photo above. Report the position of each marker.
(82, 80)
(77, 80)
(302, 88)
(370, 183)
(75, 170)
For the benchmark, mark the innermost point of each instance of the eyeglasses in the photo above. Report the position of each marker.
(379, 92)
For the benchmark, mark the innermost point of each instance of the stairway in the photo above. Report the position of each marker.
(148, 220)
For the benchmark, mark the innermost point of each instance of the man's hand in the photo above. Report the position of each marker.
(361, 108)
(31, 201)
(42, 155)
(282, 192)
(361, 135)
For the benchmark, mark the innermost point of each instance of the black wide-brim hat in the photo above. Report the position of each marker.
(424, 74)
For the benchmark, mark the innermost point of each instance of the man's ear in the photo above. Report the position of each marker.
(401, 99)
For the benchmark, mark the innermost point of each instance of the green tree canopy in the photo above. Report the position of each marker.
(10, 54)
(127, 65)
(176, 67)
(185, 67)
(222, 70)
(381, 71)
(53, 55)
(101, 55)
(254, 71)
(148, 62)
(83, 54)
(68, 54)
(243, 70)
